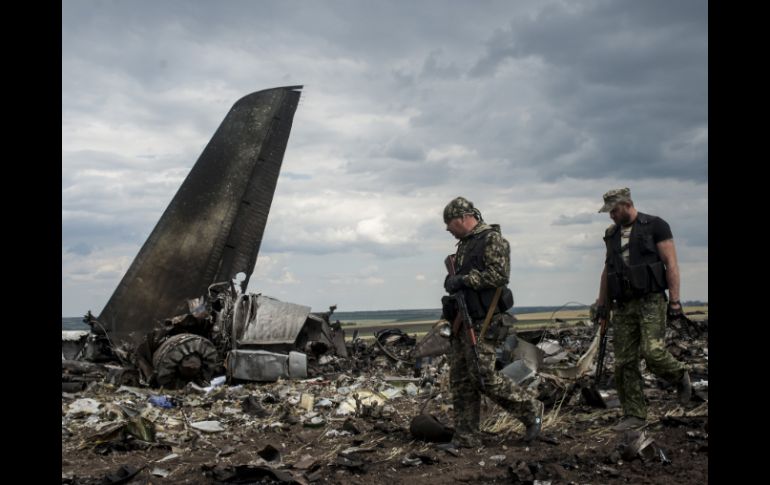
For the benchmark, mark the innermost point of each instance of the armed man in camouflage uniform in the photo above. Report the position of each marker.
(640, 264)
(482, 264)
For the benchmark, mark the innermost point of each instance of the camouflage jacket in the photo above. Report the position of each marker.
(495, 269)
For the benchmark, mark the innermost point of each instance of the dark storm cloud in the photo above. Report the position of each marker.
(400, 176)
(434, 67)
(613, 42)
(630, 79)
(621, 86)
(404, 149)
(532, 109)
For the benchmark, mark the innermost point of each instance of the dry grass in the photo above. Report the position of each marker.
(526, 321)
(505, 424)
(566, 314)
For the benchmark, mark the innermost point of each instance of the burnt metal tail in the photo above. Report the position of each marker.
(213, 227)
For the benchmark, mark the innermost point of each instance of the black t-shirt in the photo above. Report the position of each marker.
(660, 230)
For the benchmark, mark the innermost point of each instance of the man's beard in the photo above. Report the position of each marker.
(625, 220)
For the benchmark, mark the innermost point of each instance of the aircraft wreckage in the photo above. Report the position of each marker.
(213, 227)
(178, 315)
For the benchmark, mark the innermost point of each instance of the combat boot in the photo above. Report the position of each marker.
(534, 426)
(684, 389)
(629, 422)
(466, 440)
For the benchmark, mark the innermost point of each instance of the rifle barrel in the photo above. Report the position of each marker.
(463, 316)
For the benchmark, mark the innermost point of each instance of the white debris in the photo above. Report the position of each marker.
(325, 359)
(167, 458)
(315, 422)
(160, 472)
(701, 385)
(390, 392)
(550, 347)
(306, 401)
(83, 406)
(346, 407)
(213, 384)
(367, 398)
(208, 426)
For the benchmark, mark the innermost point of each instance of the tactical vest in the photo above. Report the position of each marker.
(473, 258)
(645, 272)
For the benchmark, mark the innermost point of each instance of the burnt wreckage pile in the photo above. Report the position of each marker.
(256, 338)
(245, 337)
(366, 410)
(248, 337)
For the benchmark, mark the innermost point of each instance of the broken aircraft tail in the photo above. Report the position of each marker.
(213, 227)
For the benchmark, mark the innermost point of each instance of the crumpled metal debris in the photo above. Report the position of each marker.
(640, 445)
(183, 358)
(435, 342)
(249, 336)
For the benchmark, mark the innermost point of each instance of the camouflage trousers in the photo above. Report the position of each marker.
(466, 389)
(640, 326)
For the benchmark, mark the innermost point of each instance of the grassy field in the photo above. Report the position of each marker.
(525, 321)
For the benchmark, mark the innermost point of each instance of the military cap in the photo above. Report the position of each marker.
(612, 197)
(457, 207)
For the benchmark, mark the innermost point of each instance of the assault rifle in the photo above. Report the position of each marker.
(602, 315)
(591, 393)
(463, 318)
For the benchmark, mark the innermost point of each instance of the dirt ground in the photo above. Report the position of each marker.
(577, 446)
(314, 431)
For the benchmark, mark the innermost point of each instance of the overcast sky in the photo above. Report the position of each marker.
(530, 109)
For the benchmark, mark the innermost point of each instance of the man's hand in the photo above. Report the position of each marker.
(602, 313)
(674, 310)
(453, 283)
(602, 318)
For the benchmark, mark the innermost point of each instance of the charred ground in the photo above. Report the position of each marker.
(351, 424)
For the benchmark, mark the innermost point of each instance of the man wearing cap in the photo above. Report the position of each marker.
(640, 264)
(482, 265)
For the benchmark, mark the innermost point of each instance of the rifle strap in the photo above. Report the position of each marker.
(490, 312)
(456, 324)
